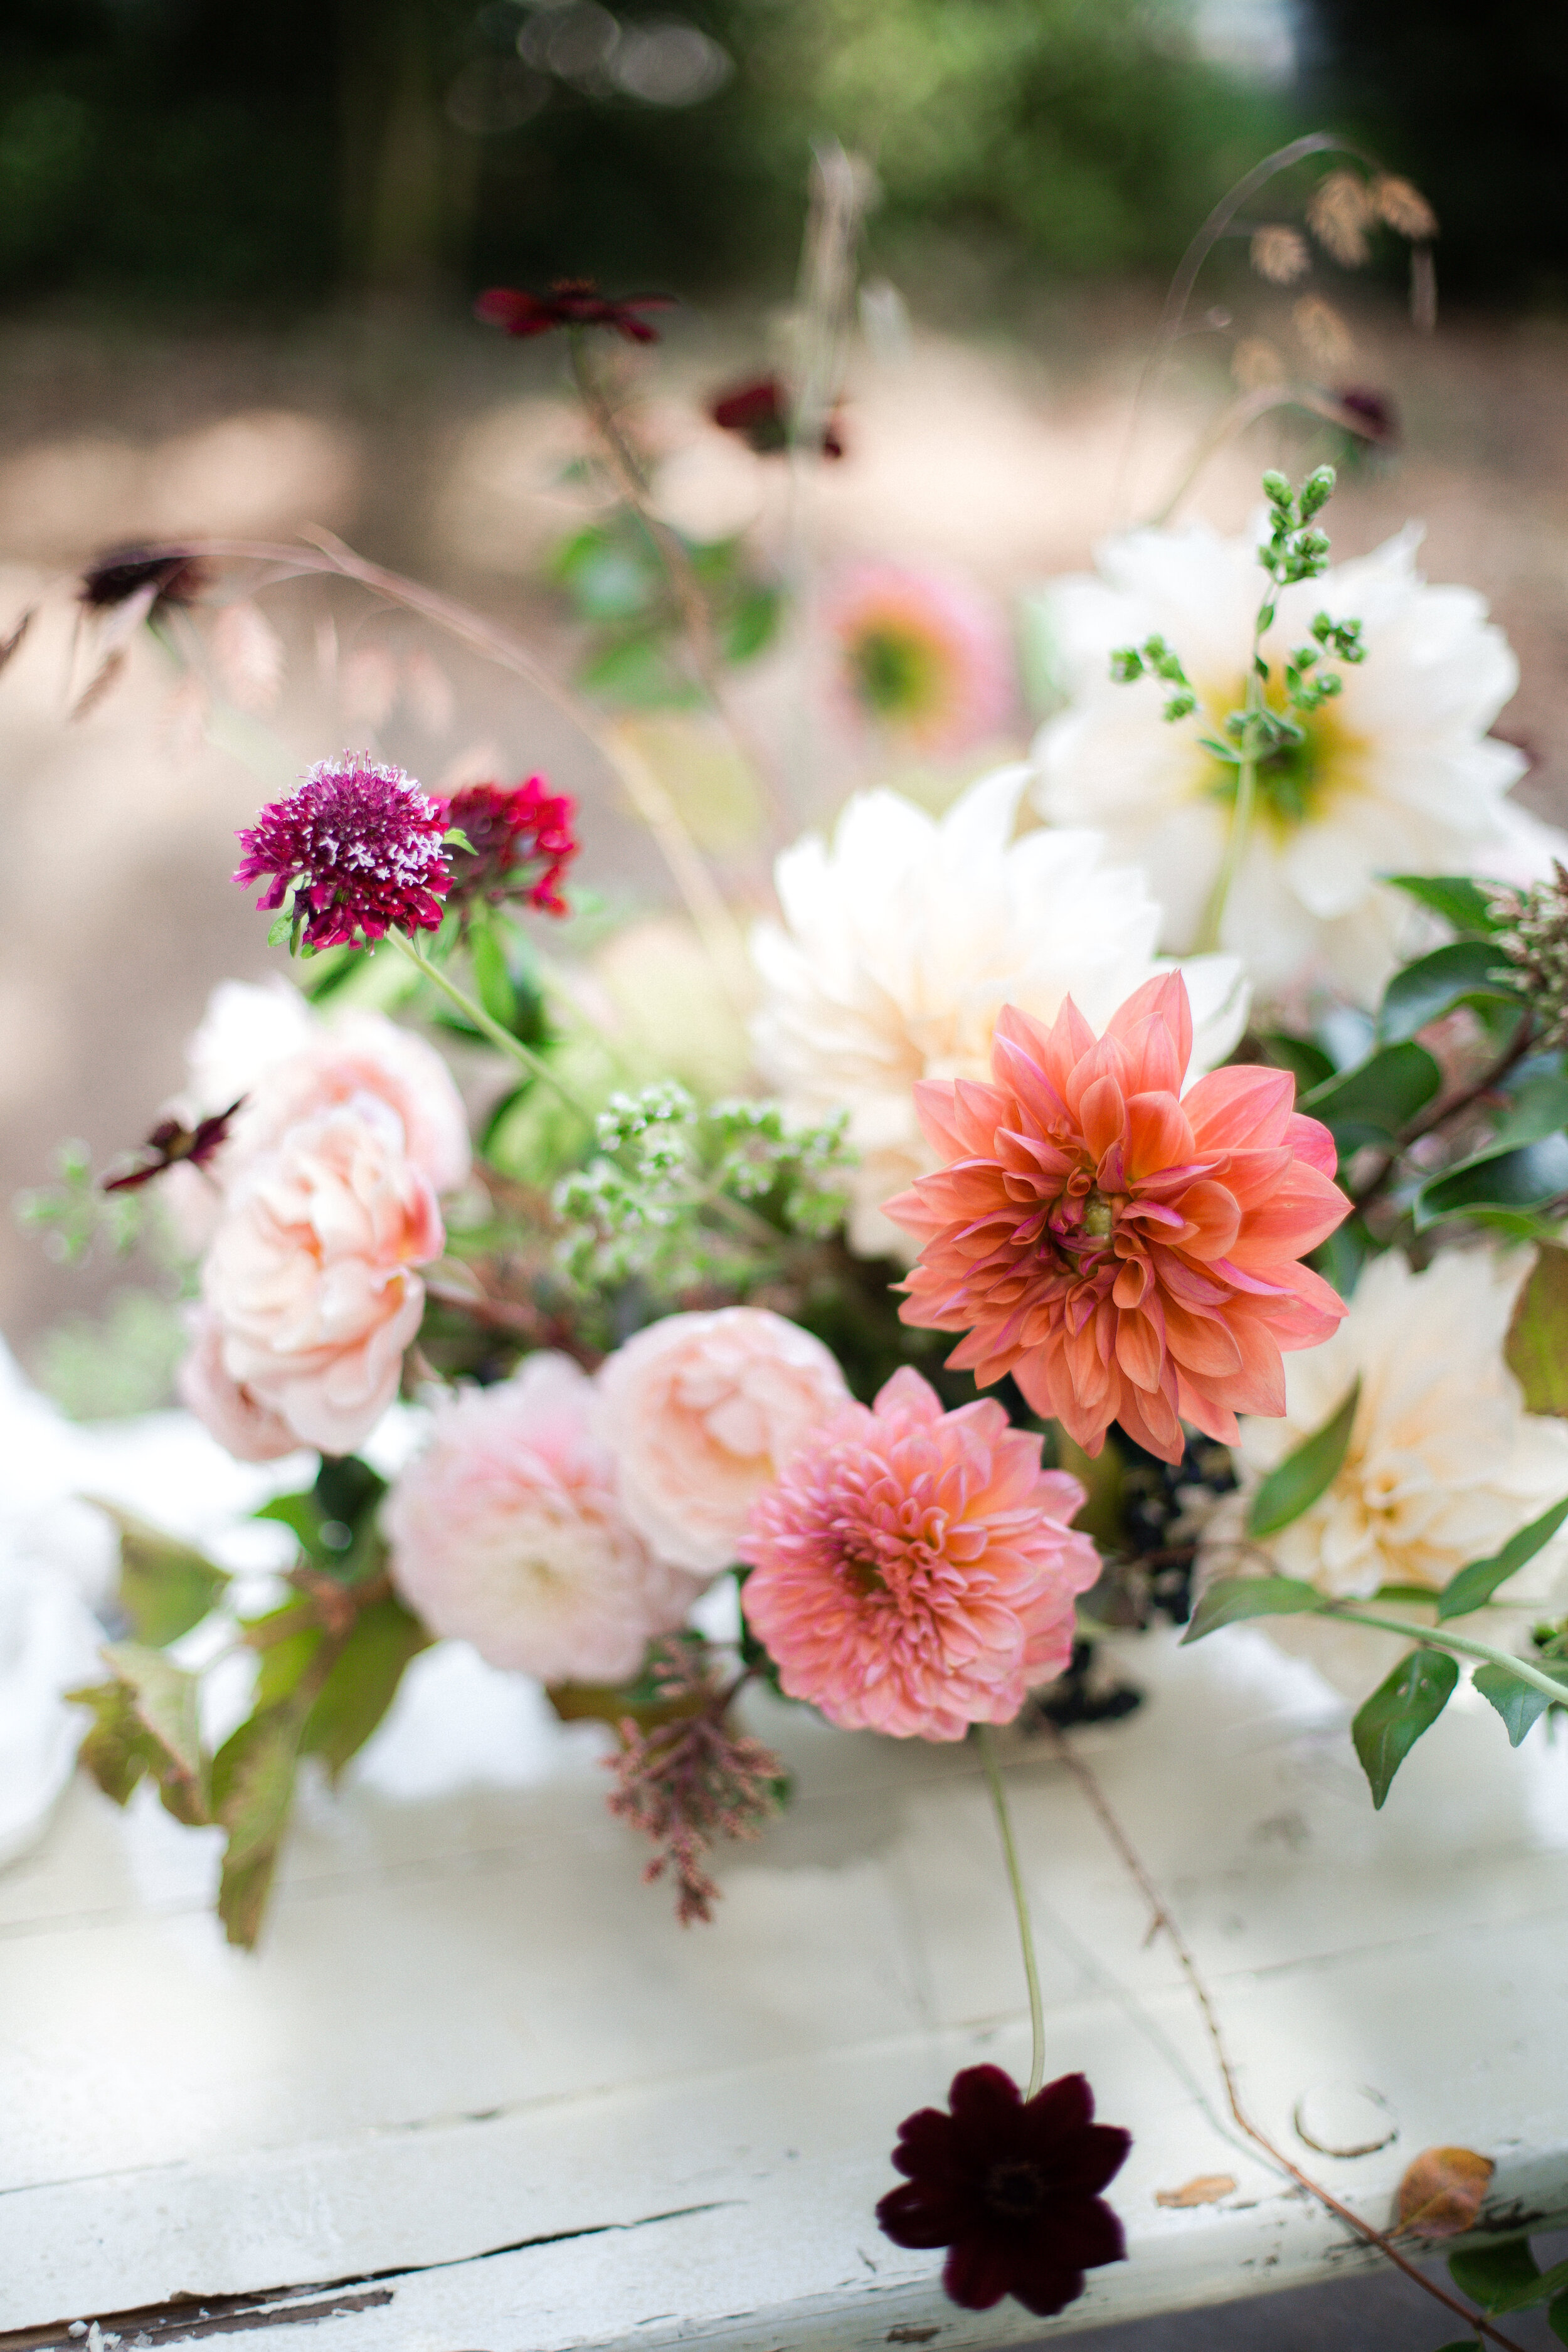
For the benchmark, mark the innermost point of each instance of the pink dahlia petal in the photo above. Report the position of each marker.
(1127, 1253)
(913, 1571)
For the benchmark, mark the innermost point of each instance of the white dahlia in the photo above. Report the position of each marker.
(901, 943)
(1443, 1465)
(1397, 775)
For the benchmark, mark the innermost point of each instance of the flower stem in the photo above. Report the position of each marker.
(1438, 1638)
(1020, 1903)
(1245, 800)
(524, 1055)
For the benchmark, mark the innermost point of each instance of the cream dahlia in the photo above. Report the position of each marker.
(901, 943)
(1126, 1251)
(508, 1532)
(1397, 775)
(913, 1571)
(1444, 1464)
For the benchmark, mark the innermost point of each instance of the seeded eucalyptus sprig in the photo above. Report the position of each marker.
(1296, 549)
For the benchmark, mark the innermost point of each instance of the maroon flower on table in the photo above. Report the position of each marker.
(360, 848)
(759, 413)
(571, 302)
(1009, 2187)
(158, 575)
(172, 1142)
(522, 843)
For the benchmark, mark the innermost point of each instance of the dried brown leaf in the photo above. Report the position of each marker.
(1404, 208)
(1339, 213)
(1441, 2192)
(99, 685)
(1206, 2189)
(1323, 333)
(1279, 253)
(247, 656)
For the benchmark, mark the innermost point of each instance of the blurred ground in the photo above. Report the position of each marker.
(441, 453)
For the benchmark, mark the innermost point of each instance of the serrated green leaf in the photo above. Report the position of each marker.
(1404, 1704)
(116, 1749)
(1462, 904)
(1519, 1704)
(1424, 990)
(165, 1700)
(1370, 1103)
(165, 1585)
(253, 1791)
(1483, 2273)
(1477, 1581)
(1230, 1600)
(362, 1682)
(1498, 1178)
(1295, 1484)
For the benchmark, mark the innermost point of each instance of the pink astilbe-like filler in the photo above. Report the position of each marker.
(1126, 1252)
(359, 844)
(913, 1571)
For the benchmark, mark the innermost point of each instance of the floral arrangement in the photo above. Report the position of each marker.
(1147, 1200)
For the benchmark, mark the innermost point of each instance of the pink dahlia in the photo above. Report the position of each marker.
(360, 848)
(924, 656)
(1126, 1252)
(522, 843)
(913, 1571)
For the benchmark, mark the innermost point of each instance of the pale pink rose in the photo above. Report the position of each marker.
(703, 1411)
(913, 1571)
(507, 1531)
(309, 1274)
(250, 1430)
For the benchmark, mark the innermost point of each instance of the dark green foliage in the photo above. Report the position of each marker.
(1403, 1705)
(1295, 1484)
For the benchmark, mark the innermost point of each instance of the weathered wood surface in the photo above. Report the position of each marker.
(478, 2094)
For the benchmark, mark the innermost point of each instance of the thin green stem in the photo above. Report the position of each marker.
(523, 1055)
(1020, 1903)
(1437, 1637)
(1242, 811)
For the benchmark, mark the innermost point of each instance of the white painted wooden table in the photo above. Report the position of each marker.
(478, 2094)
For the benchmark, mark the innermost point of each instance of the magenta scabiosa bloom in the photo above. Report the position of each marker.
(913, 1571)
(1009, 2187)
(521, 844)
(358, 846)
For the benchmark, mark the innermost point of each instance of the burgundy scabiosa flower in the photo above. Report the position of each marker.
(172, 1141)
(358, 846)
(571, 302)
(157, 575)
(521, 844)
(1009, 2187)
(758, 412)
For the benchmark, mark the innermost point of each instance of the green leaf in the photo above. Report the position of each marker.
(1532, 2290)
(1400, 1709)
(491, 978)
(165, 1585)
(116, 1750)
(1297, 1482)
(1557, 2319)
(1498, 1178)
(362, 1682)
(1372, 1103)
(1536, 1349)
(1435, 983)
(1463, 904)
(1475, 1583)
(164, 1699)
(1484, 2273)
(753, 623)
(253, 1791)
(1519, 1704)
(1312, 1065)
(1231, 1598)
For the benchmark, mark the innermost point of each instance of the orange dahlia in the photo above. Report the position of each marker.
(1126, 1252)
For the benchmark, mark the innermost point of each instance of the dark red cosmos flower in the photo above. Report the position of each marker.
(359, 844)
(571, 302)
(1375, 410)
(522, 843)
(171, 576)
(1008, 2186)
(759, 413)
(172, 1142)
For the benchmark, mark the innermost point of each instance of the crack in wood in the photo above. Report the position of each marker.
(184, 2316)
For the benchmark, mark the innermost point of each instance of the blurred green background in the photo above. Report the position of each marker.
(191, 152)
